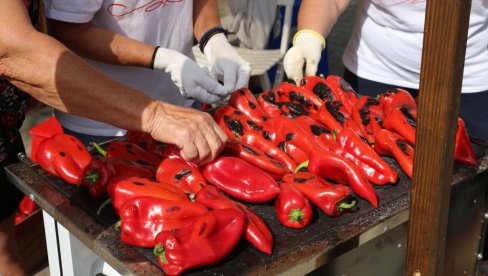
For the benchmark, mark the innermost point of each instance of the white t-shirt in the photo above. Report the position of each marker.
(386, 44)
(165, 23)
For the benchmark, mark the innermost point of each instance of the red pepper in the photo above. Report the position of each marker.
(293, 209)
(46, 129)
(331, 199)
(372, 166)
(398, 98)
(288, 92)
(103, 169)
(258, 141)
(241, 180)
(27, 206)
(342, 91)
(402, 122)
(257, 232)
(341, 170)
(182, 175)
(204, 240)
(122, 189)
(318, 87)
(335, 116)
(64, 156)
(244, 101)
(269, 104)
(145, 141)
(320, 134)
(234, 122)
(298, 155)
(143, 218)
(170, 151)
(463, 152)
(391, 144)
(129, 151)
(368, 115)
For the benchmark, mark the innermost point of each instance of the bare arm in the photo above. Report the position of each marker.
(103, 45)
(320, 15)
(205, 16)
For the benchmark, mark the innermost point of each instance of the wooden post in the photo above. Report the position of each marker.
(444, 48)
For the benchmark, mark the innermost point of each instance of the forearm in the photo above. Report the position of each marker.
(99, 44)
(205, 16)
(320, 15)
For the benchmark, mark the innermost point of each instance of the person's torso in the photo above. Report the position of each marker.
(387, 40)
(168, 24)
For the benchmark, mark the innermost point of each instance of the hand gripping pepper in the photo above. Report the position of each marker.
(398, 98)
(258, 141)
(256, 157)
(331, 199)
(244, 101)
(372, 166)
(182, 175)
(143, 218)
(391, 144)
(122, 189)
(170, 151)
(368, 115)
(64, 156)
(204, 240)
(402, 122)
(103, 169)
(463, 151)
(333, 167)
(145, 141)
(129, 151)
(257, 232)
(335, 116)
(292, 208)
(240, 179)
(234, 122)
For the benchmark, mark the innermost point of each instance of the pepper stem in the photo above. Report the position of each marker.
(99, 149)
(344, 205)
(104, 204)
(334, 134)
(159, 251)
(296, 215)
(93, 177)
(301, 166)
(117, 224)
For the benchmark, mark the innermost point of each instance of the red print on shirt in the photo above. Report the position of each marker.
(119, 10)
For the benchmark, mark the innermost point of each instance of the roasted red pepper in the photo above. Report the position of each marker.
(143, 218)
(234, 122)
(335, 116)
(293, 209)
(464, 152)
(368, 115)
(288, 92)
(269, 103)
(372, 166)
(122, 189)
(145, 141)
(318, 87)
(27, 206)
(182, 175)
(204, 240)
(64, 156)
(103, 169)
(244, 101)
(398, 98)
(331, 199)
(320, 134)
(258, 141)
(298, 155)
(240, 179)
(129, 151)
(170, 151)
(333, 167)
(399, 120)
(257, 232)
(46, 129)
(391, 144)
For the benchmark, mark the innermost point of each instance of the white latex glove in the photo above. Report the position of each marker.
(307, 49)
(192, 80)
(225, 61)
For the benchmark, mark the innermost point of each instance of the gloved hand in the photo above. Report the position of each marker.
(224, 60)
(307, 49)
(192, 80)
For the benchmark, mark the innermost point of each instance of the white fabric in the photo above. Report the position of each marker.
(386, 44)
(306, 50)
(165, 23)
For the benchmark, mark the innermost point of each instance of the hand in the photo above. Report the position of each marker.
(196, 133)
(306, 51)
(224, 60)
(191, 79)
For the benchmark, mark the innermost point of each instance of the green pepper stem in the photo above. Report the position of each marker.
(117, 224)
(99, 149)
(93, 177)
(334, 134)
(296, 215)
(301, 166)
(104, 204)
(344, 205)
(159, 251)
